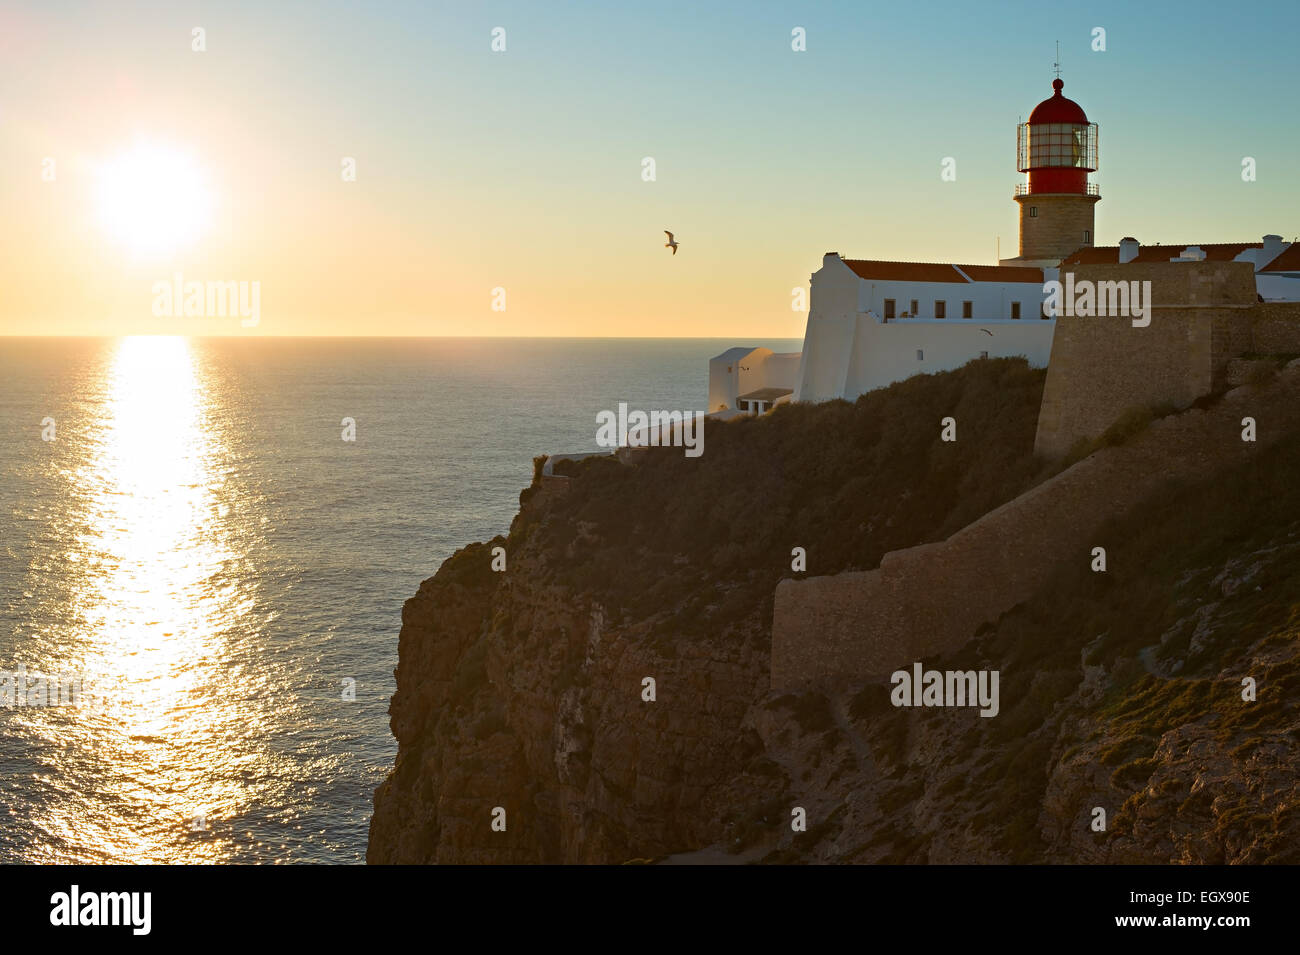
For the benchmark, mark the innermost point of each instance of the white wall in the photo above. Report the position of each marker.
(781, 370)
(848, 351)
(828, 339)
(989, 300)
(724, 377)
(738, 371)
(1277, 286)
(886, 352)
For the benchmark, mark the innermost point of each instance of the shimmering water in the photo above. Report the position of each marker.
(202, 548)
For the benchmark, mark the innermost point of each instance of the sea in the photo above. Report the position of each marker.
(205, 544)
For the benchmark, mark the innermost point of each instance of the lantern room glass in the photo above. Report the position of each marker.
(1056, 145)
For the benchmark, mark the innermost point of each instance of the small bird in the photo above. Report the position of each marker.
(671, 243)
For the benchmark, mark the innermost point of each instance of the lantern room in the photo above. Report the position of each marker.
(1057, 147)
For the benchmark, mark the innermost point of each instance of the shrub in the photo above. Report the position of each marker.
(847, 481)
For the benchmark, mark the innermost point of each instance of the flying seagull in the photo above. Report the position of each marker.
(671, 243)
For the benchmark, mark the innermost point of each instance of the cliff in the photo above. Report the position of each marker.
(523, 689)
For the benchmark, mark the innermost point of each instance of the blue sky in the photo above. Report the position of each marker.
(522, 169)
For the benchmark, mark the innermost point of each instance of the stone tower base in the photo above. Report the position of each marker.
(1063, 224)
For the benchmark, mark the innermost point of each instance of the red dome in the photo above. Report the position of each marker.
(1058, 109)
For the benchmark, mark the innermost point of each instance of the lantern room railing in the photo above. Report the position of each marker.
(1022, 189)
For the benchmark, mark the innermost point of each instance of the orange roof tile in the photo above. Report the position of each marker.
(1107, 254)
(904, 271)
(1003, 273)
(1288, 261)
(878, 270)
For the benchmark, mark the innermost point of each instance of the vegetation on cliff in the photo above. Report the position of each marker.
(847, 482)
(1120, 690)
(1123, 690)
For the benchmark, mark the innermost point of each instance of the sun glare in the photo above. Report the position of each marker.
(153, 200)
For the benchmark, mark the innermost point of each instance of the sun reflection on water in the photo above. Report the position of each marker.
(168, 733)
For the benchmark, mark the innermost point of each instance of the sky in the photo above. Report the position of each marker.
(522, 170)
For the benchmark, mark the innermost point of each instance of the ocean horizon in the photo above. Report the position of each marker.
(187, 529)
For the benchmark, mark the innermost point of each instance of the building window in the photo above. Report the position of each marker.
(967, 309)
(1033, 212)
(1015, 309)
(940, 309)
(1087, 237)
(916, 308)
(889, 309)
(920, 355)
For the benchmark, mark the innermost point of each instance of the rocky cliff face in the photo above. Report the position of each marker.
(523, 690)
(517, 692)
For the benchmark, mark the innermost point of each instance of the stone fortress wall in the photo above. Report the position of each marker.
(932, 598)
(1100, 367)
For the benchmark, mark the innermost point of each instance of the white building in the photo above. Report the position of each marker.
(1277, 263)
(752, 379)
(871, 323)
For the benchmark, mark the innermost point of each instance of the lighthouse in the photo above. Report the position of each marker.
(1057, 147)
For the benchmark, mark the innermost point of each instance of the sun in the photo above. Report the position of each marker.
(153, 199)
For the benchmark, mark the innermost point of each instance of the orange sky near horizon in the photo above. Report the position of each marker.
(522, 169)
